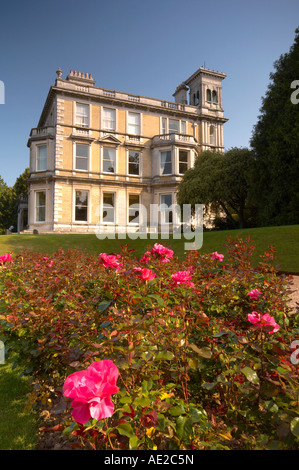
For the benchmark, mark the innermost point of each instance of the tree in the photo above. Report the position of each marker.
(9, 197)
(222, 183)
(275, 141)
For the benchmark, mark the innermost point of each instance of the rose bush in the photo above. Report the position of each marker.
(200, 348)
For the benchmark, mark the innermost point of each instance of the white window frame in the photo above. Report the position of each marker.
(160, 162)
(114, 207)
(134, 209)
(88, 206)
(36, 207)
(188, 159)
(38, 147)
(164, 211)
(105, 128)
(164, 126)
(129, 124)
(115, 160)
(128, 163)
(79, 124)
(75, 157)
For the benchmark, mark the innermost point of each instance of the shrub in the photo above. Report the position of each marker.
(202, 347)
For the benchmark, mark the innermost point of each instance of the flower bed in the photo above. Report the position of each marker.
(157, 353)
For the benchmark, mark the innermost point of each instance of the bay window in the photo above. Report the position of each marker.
(41, 157)
(40, 206)
(165, 163)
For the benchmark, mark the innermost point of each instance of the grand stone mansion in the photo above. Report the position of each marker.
(97, 153)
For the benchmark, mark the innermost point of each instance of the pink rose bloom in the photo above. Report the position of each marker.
(146, 257)
(182, 277)
(5, 258)
(263, 321)
(216, 255)
(91, 390)
(254, 294)
(110, 261)
(162, 251)
(146, 274)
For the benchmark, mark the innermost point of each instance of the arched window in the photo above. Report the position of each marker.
(214, 97)
(209, 95)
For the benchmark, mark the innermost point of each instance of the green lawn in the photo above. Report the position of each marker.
(284, 238)
(18, 425)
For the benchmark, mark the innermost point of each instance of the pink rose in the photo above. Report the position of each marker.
(146, 274)
(254, 294)
(263, 321)
(182, 277)
(146, 257)
(5, 258)
(91, 390)
(110, 261)
(162, 251)
(216, 255)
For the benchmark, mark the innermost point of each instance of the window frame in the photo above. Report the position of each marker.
(164, 211)
(45, 159)
(164, 126)
(76, 190)
(160, 162)
(114, 208)
(105, 128)
(106, 160)
(130, 124)
(128, 214)
(186, 163)
(79, 124)
(128, 162)
(78, 156)
(38, 207)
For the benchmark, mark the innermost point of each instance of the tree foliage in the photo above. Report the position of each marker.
(221, 182)
(275, 141)
(9, 197)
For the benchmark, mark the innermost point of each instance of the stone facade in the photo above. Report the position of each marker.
(96, 152)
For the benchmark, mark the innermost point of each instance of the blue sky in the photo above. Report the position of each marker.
(141, 47)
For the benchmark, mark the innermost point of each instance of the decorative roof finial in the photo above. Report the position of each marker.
(59, 72)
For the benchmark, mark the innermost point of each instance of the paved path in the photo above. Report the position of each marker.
(294, 286)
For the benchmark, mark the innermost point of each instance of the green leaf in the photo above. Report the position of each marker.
(203, 352)
(142, 401)
(209, 385)
(125, 400)
(183, 427)
(133, 443)
(196, 415)
(147, 385)
(295, 426)
(177, 410)
(251, 375)
(159, 300)
(125, 429)
(164, 356)
(104, 305)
